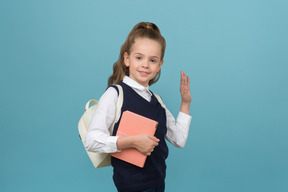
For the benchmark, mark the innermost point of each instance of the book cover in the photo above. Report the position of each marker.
(134, 124)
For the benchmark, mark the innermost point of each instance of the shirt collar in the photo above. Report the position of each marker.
(127, 80)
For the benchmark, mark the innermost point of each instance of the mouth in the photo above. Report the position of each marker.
(143, 73)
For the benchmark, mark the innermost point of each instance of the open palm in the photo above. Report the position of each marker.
(185, 88)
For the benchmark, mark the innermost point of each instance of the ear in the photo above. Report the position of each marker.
(126, 59)
(160, 65)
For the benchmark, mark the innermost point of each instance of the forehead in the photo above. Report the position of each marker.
(146, 46)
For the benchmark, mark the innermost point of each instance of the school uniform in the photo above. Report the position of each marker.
(141, 100)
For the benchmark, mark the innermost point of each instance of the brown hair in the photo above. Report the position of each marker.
(141, 30)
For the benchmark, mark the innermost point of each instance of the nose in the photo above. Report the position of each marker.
(145, 63)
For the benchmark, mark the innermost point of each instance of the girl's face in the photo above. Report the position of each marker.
(144, 61)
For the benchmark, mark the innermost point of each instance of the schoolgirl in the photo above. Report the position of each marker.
(138, 67)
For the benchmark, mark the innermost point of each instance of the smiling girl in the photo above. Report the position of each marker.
(138, 67)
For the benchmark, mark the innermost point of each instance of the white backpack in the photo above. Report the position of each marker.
(101, 159)
(98, 159)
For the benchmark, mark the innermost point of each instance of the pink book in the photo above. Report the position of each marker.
(134, 124)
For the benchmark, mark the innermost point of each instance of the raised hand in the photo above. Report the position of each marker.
(185, 93)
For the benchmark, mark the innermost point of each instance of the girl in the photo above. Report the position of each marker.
(138, 67)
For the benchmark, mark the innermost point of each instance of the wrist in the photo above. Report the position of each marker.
(185, 104)
(133, 141)
(185, 108)
(126, 142)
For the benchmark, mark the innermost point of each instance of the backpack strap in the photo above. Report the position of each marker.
(118, 106)
(88, 103)
(159, 99)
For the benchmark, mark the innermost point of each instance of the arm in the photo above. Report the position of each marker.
(98, 138)
(177, 131)
(143, 143)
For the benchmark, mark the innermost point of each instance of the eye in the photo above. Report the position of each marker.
(138, 58)
(153, 60)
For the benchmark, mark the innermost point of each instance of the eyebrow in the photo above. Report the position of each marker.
(142, 54)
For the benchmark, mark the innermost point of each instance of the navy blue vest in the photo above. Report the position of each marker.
(128, 177)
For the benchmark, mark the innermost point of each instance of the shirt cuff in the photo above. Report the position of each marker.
(183, 117)
(112, 144)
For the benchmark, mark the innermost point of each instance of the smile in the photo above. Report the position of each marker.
(143, 73)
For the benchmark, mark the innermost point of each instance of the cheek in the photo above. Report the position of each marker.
(157, 68)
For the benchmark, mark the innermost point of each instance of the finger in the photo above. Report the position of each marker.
(188, 84)
(154, 138)
(184, 79)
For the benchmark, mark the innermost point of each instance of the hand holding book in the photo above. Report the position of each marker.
(136, 138)
(145, 143)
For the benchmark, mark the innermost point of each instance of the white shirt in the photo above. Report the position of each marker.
(98, 138)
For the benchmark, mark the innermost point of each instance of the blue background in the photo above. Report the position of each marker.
(56, 55)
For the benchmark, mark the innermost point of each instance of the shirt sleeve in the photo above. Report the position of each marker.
(177, 131)
(98, 137)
